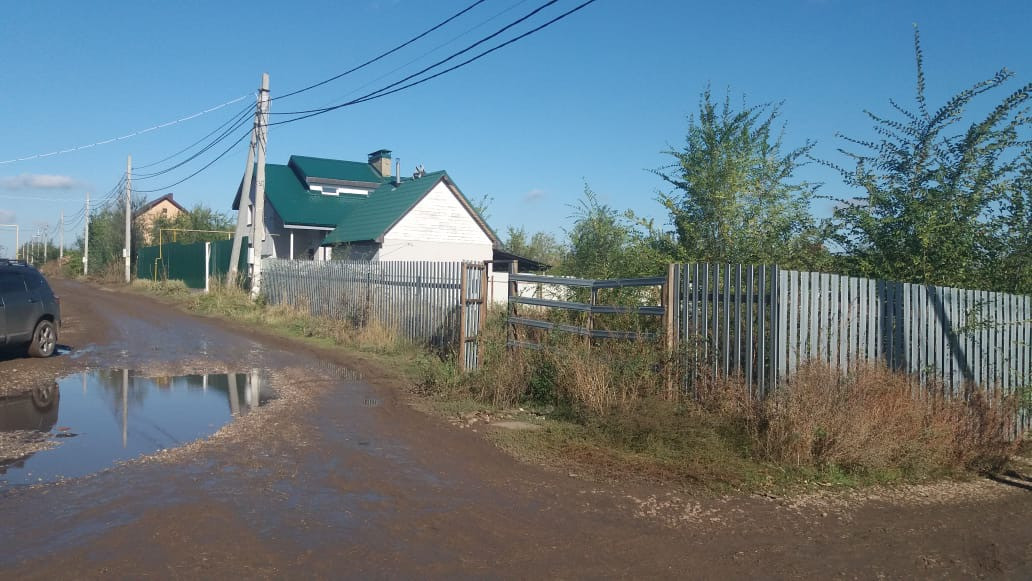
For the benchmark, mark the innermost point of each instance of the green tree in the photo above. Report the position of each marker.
(942, 201)
(1011, 271)
(540, 246)
(734, 198)
(605, 243)
(107, 238)
(200, 217)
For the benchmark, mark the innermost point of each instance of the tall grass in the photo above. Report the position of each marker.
(870, 423)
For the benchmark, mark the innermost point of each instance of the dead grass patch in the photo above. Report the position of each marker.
(873, 419)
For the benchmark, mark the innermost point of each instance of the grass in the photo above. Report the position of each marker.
(607, 412)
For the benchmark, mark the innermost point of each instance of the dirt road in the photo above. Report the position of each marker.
(337, 478)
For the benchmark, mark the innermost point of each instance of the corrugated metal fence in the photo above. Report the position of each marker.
(186, 262)
(763, 322)
(421, 300)
(726, 320)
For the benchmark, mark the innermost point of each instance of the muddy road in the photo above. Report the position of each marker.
(337, 477)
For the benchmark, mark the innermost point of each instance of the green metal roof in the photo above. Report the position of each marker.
(355, 217)
(297, 205)
(382, 209)
(334, 169)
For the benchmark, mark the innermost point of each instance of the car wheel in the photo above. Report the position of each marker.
(43, 396)
(44, 339)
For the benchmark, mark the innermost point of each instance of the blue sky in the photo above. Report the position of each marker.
(594, 98)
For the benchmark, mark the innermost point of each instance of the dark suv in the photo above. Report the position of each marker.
(30, 312)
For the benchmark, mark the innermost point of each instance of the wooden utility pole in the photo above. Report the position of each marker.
(60, 254)
(258, 233)
(86, 240)
(245, 199)
(128, 212)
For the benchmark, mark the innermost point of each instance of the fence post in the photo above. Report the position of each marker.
(463, 281)
(670, 308)
(591, 314)
(207, 266)
(511, 306)
(484, 302)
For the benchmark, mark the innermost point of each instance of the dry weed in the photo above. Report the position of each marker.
(874, 419)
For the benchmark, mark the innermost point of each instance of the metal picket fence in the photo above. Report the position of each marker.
(763, 322)
(424, 301)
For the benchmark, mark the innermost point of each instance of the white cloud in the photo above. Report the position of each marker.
(35, 181)
(534, 195)
(7, 217)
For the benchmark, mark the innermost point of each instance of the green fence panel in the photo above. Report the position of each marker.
(185, 262)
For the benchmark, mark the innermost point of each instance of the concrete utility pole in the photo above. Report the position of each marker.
(245, 199)
(128, 211)
(258, 235)
(16, 248)
(60, 254)
(86, 240)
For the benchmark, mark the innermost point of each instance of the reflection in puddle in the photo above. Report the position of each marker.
(99, 418)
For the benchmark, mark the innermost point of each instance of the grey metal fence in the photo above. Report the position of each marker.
(590, 308)
(763, 322)
(726, 321)
(959, 336)
(421, 300)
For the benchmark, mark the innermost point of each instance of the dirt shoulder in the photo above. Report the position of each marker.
(344, 479)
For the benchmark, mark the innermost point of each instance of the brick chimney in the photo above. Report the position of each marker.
(381, 162)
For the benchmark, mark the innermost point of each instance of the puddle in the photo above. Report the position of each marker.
(86, 422)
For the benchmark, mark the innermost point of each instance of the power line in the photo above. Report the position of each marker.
(481, 55)
(246, 109)
(240, 121)
(425, 69)
(386, 54)
(128, 135)
(241, 118)
(206, 166)
(383, 92)
(427, 53)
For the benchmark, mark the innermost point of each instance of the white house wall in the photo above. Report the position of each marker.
(498, 289)
(438, 228)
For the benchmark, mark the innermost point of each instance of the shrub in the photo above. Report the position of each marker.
(875, 420)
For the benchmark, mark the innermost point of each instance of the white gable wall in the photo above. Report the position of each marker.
(438, 228)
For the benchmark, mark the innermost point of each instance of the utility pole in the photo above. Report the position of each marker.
(258, 235)
(128, 212)
(245, 200)
(60, 254)
(86, 240)
(17, 249)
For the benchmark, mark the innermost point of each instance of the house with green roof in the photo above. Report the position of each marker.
(319, 208)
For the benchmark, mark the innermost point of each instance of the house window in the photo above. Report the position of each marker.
(250, 214)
